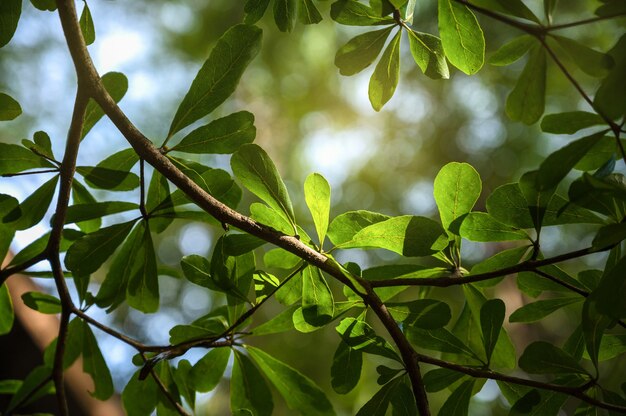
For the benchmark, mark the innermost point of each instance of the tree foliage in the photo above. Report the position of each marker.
(423, 345)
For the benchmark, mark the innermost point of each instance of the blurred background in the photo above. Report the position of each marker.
(309, 119)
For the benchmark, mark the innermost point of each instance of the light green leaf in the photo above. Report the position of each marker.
(208, 371)
(308, 13)
(345, 371)
(354, 13)
(592, 62)
(35, 206)
(538, 310)
(480, 226)
(317, 197)
(42, 302)
(10, 11)
(318, 306)
(224, 135)
(344, 227)
(457, 403)
(95, 366)
(84, 212)
(280, 323)
(361, 51)
(611, 346)
(491, 318)
(569, 122)
(300, 393)
(249, 392)
(461, 36)
(15, 158)
(544, 358)
(526, 101)
(9, 108)
(6, 310)
(512, 51)
(285, 14)
(254, 168)
(386, 74)
(421, 313)
(428, 54)
(86, 25)
(116, 85)
(279, 258)
(219, 76)
(456, 190)
(142, 292)
(410, 236)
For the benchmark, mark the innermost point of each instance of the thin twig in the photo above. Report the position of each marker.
(30, 172)
(168, 395)
(584, 22)
(19, 268)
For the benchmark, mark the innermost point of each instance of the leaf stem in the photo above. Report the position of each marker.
(35, 172)
(584, 22)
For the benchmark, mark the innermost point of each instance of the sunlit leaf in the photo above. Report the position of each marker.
(357, 334)
(354, 13)
(87, 26)
(512, 51)
(386, 74)
(361, 51)
(456, 190)
(94, 365)
(317, 299)
(461, 36)
(208, 371)
(317, 197)
(42, 302)
(480, 226)
(344, 227)
(428, 54)
(526, 101)
(249, 392)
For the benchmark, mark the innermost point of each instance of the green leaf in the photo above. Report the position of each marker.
(538, 310)
(224, 135)
(526, 101)
(280, 323)
(357, 334)
(239, 244)
(86, 25)
(491, 319)
(421, 313)
(9, 386)
(456, 190)
(480, 226)
(378, 404)
(609, 235)
(33, 387)
(112, 180)
(606, 100)
(361, 51)
(439, 339)
(457, 403)
(73, 345)
(42, 302)
(558, 164)
(308, 13)
(318, 306)
(285, 14)
(6, 310)
(15, 158)
(256, 171)
(8, 205)
(512, 51)
(402, 399)
(45, 5)
(300, 393)
(544, 358)
(10, 11)
(219, 76)
(428, 53)
(88, 253)
(611, 291)
(353, 13)
(208, 371)
(386, 374)
(142, 292)
(569, 122)
(317, 197)
(279, 258)
(345, 371)
(440, 378)
(94, 365)
(249, 392)
(9, 108)
(592, 62)
(147, 389)
(461, 36)
(35, 206)
(116, 85)
(254, 10)
(344, 227)
(500, 260)
(84, 212)
(386, 74)
(611, 346)
(410, 236)
(203, 327)
(512, 7)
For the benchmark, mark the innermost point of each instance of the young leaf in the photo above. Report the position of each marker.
(86, 25)
(428, 53)
(9, 108)
(491, 318)
(300, 393)
(208, 371)
(592, 62)
(42, 302)
(10, 11)
(457, 403)
(219, 76)
(421, 313)
(346, 369)
(308, 13)
(285, 14)
(317, 197)
(480, 226)
(142, 292)
(318, 306)
(386, 74)
(526, 101)
(146, 389)
(344, 227)
(461, 36)
(512, 51)
(224, 135)
(15, 158)
(6, 310)
(544, 358)
(540, 309)
(361, 51)
(116, 85)
(569, 122)
(95, 366)
(354, 13)
(254, 168)
(456, 190)
(35, 206)
(249, 392)
(408, 235)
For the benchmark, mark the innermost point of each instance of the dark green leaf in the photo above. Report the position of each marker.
(15, 158)
(142, 292)
(439, 339)
(480, 226)
(81, 196)
(249, 392)
(116, 85)
(9, 386)
(110, 179)
(569, 122)
(285, 14)
(300, 393)
(544, 358)
(611, 291)
(203, 328)
(10, 11)
(357, 334)
(606, 100)
(45, 5)
(42, 302)
(457, 403)
(540, 309)
(538, 403)
(317, 197)
(219, 76)
(208, 371)
(33, 387)
(512, 51)
(6, 310)
(8, 204)
(609, 235)
(308, 13)
(526, 101)
(344, 227)
(491, 319)
(421, 313)
(353, 13)
(592, 62)
(386, 74)
(83, 212)
(361, 51)
(9, 108)
(238, 244)
(378, 404)
(94, 365)
(73, 345)
(35, 206)
(345, 371)
(512, 7)
(428, 54)
(123, 160)
(386, 374)
(224, 135)
(456, 190)
(88, 253)
(255, 9)
(146, 389)
(504, 258)
(402, 399)
(318, 306)
(461, 36)
(86, 26)
(440, 378)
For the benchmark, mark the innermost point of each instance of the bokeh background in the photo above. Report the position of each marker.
(309, 119)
